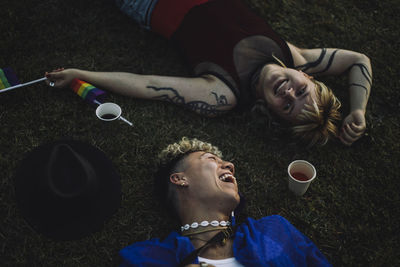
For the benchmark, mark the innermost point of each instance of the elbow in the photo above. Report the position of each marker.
(362, 58)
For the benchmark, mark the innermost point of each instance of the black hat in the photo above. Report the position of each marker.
(67, 189)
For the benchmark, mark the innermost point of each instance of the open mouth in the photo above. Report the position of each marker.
(279, 85)
(227, 178)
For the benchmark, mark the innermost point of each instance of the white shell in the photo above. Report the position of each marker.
(204, 223)
(214, 223)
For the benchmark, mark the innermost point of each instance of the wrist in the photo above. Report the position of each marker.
(76, 73)
(358, 111)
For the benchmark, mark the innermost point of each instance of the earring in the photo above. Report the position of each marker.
(183, 184)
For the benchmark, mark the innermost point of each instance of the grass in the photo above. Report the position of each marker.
(351, 210)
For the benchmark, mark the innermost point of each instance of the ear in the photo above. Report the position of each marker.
(177, 178)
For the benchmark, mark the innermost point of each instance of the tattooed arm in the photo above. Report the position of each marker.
(330, 61)
(206, 95)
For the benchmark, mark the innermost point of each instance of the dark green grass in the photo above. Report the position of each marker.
(351, 210)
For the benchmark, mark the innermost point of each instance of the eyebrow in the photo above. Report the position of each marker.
(201, 156)
(302, 97)
(205, 153)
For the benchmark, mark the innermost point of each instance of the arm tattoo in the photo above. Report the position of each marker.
(201, 107)
(308, 65)
(329, 63)
(362, 86)
(364, 71)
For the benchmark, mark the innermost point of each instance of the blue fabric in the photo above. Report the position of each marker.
(270, 241)
(139, 10)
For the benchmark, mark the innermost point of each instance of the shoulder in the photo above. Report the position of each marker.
(265, 226)
(297, 54)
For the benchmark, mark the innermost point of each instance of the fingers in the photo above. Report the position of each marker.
(357, 128)
(58, 70)
(347, 140)
(344, 142)
(53, 76)
(53, 73)
(50, 79)
(351, 133)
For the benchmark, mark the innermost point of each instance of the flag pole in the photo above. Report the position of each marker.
(21, 85)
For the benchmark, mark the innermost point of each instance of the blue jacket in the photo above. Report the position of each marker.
(270, 241)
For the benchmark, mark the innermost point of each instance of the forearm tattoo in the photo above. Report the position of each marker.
(201, 107)
(367, 75)
(362, 86)
(364, 71)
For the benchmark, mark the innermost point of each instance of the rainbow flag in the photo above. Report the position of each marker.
(87, 91)
(8, 78)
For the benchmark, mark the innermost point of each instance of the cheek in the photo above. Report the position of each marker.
(208, 169)
(274, 103)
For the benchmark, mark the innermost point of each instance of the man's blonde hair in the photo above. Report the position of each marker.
(184, 147)
(317, 123)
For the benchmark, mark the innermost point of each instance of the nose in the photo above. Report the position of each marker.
(229, 165)
(289, 93)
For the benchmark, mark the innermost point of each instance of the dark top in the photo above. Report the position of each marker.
(223, 38)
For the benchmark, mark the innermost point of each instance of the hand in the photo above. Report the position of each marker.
(353, 127)
(60, 78)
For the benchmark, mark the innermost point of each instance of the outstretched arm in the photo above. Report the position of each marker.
(206, 95)
(330, 61)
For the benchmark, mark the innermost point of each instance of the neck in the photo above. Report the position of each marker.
(192, 216)
(203, 225)
(196, 211)
(216, 250)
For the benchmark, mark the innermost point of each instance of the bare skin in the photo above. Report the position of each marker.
(204, 196)
(331, 61)
(209, 96)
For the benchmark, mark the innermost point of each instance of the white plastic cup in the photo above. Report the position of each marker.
(108, 111)
(301, 174)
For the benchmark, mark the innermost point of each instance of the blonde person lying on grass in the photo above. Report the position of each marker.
(245, 63)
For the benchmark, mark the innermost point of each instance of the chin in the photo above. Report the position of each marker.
(237, 200)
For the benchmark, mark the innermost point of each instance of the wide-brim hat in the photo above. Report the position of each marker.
(67, 189)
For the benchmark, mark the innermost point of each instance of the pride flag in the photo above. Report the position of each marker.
(8, 78)
(87, 91)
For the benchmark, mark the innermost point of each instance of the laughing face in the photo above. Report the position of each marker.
(286, 91)
(211, 179)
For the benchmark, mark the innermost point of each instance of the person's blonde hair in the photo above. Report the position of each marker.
(186, 146)
(317, 123)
